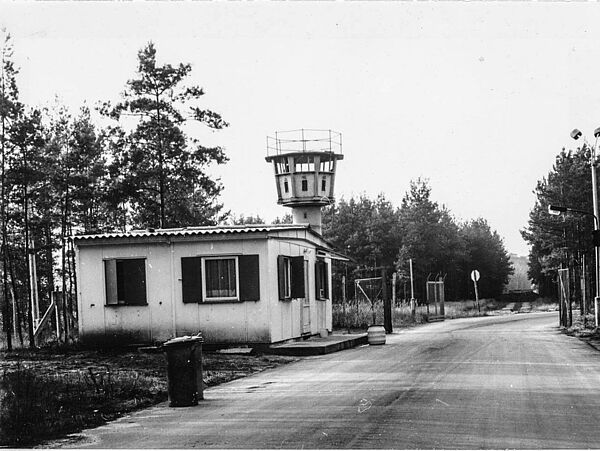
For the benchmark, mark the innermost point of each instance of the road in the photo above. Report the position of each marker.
(495, 382)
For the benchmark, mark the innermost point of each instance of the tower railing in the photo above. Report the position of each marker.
(304, 140)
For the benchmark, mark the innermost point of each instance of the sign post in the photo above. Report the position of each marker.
(475, 278)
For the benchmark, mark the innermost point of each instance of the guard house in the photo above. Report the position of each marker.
(257, 284)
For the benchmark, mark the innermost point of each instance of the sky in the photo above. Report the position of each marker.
(477, 98)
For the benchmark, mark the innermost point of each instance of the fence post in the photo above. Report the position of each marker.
(344, 301)
(387, 305)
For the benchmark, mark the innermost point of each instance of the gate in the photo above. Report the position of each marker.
(435, 295)
(564, 297)
(369, 290)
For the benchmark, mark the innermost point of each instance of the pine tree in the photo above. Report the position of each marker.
(561, 241)
(9, 110)
(28, 173)
(487, 254)
(163, 171)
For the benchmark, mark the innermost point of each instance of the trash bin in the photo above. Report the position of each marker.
(184, 370)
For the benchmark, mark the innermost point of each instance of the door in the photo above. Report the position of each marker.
(305, 306)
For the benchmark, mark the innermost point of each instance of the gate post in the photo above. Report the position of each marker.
(387, 304)
(442, 296)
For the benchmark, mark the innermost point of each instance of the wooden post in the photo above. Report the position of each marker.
(344, 300)
(387, 304)
(440, 285)
(394, 289)
(412, 291)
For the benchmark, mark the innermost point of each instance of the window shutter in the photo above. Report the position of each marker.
(191, 279)
(318, 279)
(134, 281)
(297, 277)
(249, 278)
(281, 276)
(325, 280)
(110, 280)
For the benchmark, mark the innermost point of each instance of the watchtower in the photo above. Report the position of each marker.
(305, 162)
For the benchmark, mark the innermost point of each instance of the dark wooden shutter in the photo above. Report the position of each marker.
(249, 278)
(281, 276)
(131, 281)
(297, 277)
(191, 279)
(325, 275)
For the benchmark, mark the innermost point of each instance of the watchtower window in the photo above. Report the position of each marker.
(286, 186)
(283, 167)
(324, 184)
(304, 163)
(326, 164)
(304, 185)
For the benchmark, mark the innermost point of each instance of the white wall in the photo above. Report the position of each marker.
(166, 315)
(268, 320)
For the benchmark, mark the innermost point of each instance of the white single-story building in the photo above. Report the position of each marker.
(257, 284)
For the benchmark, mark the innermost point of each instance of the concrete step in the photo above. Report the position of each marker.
(318, 345)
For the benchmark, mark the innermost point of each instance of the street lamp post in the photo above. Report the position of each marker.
(557, 210)
(576, 134)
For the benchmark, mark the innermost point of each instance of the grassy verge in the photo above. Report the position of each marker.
(47, 394)
(360, 315)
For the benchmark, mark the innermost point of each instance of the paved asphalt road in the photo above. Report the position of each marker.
(494, 382)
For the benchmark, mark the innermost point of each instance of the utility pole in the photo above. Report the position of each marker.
(596, 249)
(576, 134)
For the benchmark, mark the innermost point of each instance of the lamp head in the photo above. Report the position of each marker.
(556, 209)
(597, 133)
(576, 134)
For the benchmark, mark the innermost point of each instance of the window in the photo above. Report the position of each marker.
(286, 186)
(125, 281)
(304, 185)
(304, 163)
(291, 277)
(284, 166)
(285, 279)
(326, 164)
(220, 279)
(323, 184)
(321, 280)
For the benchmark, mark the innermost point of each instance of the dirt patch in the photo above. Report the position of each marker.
(49, 393)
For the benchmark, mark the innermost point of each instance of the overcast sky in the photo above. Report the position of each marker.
(476, 97)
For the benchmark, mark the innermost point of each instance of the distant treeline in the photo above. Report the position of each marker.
(377, 235)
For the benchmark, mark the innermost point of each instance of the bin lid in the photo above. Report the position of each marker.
(185, 340)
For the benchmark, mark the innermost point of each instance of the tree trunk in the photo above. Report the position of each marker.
(161, 173)
(6, 312)
(28, 266)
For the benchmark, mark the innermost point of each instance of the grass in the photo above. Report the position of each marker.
(47, 394)
(359, 315)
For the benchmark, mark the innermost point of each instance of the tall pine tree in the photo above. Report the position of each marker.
(162, 170)
(10, 108)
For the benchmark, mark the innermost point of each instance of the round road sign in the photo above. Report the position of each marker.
(474, 275)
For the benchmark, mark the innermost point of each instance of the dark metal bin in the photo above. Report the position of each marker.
(184, 370)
